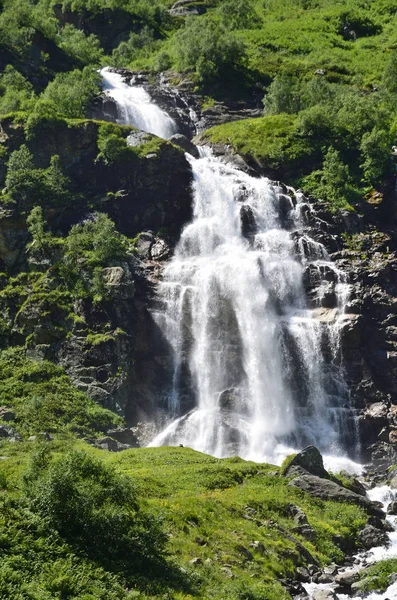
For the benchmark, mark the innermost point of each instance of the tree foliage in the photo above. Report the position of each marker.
(209, 49)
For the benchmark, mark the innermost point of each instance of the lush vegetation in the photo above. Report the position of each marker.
(330, 66)
(80, 523)
(376, 577)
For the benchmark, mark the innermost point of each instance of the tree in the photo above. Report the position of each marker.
(283, 96)
(239, 14)
(389, 79)
(208, 48)
(72, 92)
(335, 178)
(375, 150)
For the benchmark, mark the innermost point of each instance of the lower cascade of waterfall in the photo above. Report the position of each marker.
(256, 372)
(384, 495)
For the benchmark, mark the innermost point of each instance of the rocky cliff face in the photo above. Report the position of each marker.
(113, 349)
(364, 248)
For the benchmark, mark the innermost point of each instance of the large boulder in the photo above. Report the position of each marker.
(329, 490)
(370, 536)
(309, 460)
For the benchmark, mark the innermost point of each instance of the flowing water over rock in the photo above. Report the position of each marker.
(258, 371)
(384, 495)
(257, 365)
(135, 107)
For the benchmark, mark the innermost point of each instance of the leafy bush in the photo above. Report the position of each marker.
(375, 153)
(86, 49)
(283, 96)
(94, 508)
(112, 144)
(90, 246)
(29, 185)
(16, 93)
(239, 14)
(142, 43)
(44, 398)
(73, 92)
(207, 48)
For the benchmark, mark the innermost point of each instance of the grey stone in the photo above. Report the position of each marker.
(329, 490)
(183, 142)
(370, 537)
(310, 460)
(347, 578)
(324, 595)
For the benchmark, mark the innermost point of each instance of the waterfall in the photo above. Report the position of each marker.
(135, 107)
(257, 364)
(250, 374)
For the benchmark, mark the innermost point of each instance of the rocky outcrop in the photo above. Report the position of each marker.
(326, 489)
(145, 189)
(309, 461)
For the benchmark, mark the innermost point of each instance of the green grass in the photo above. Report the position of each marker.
(44, 398)
(273, 142)
(230, 517)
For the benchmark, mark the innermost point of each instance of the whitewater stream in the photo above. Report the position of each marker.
(257, 369)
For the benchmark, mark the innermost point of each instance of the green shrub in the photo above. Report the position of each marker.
(376, 156)
(112, 144)
(73, 92)
(29, 185)
(16, 93)
(45, 399)
(206, 47)
(239, 14)
(86, 49)
(94, 508)
(283, 96)
(90, 246)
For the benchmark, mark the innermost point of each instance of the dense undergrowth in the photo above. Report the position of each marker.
(162, 522)
(331, 66)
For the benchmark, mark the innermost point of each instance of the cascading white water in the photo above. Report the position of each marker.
(135, 107)
(233, 307)
(250, 377)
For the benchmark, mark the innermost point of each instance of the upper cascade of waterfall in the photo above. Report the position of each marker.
(259, 374)
(135, 107)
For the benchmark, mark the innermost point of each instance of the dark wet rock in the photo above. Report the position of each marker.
(183, 142)
(370, 537)
(248, 223)
(310, 460)
(124, 436)
(303, 574)
(6, 414)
